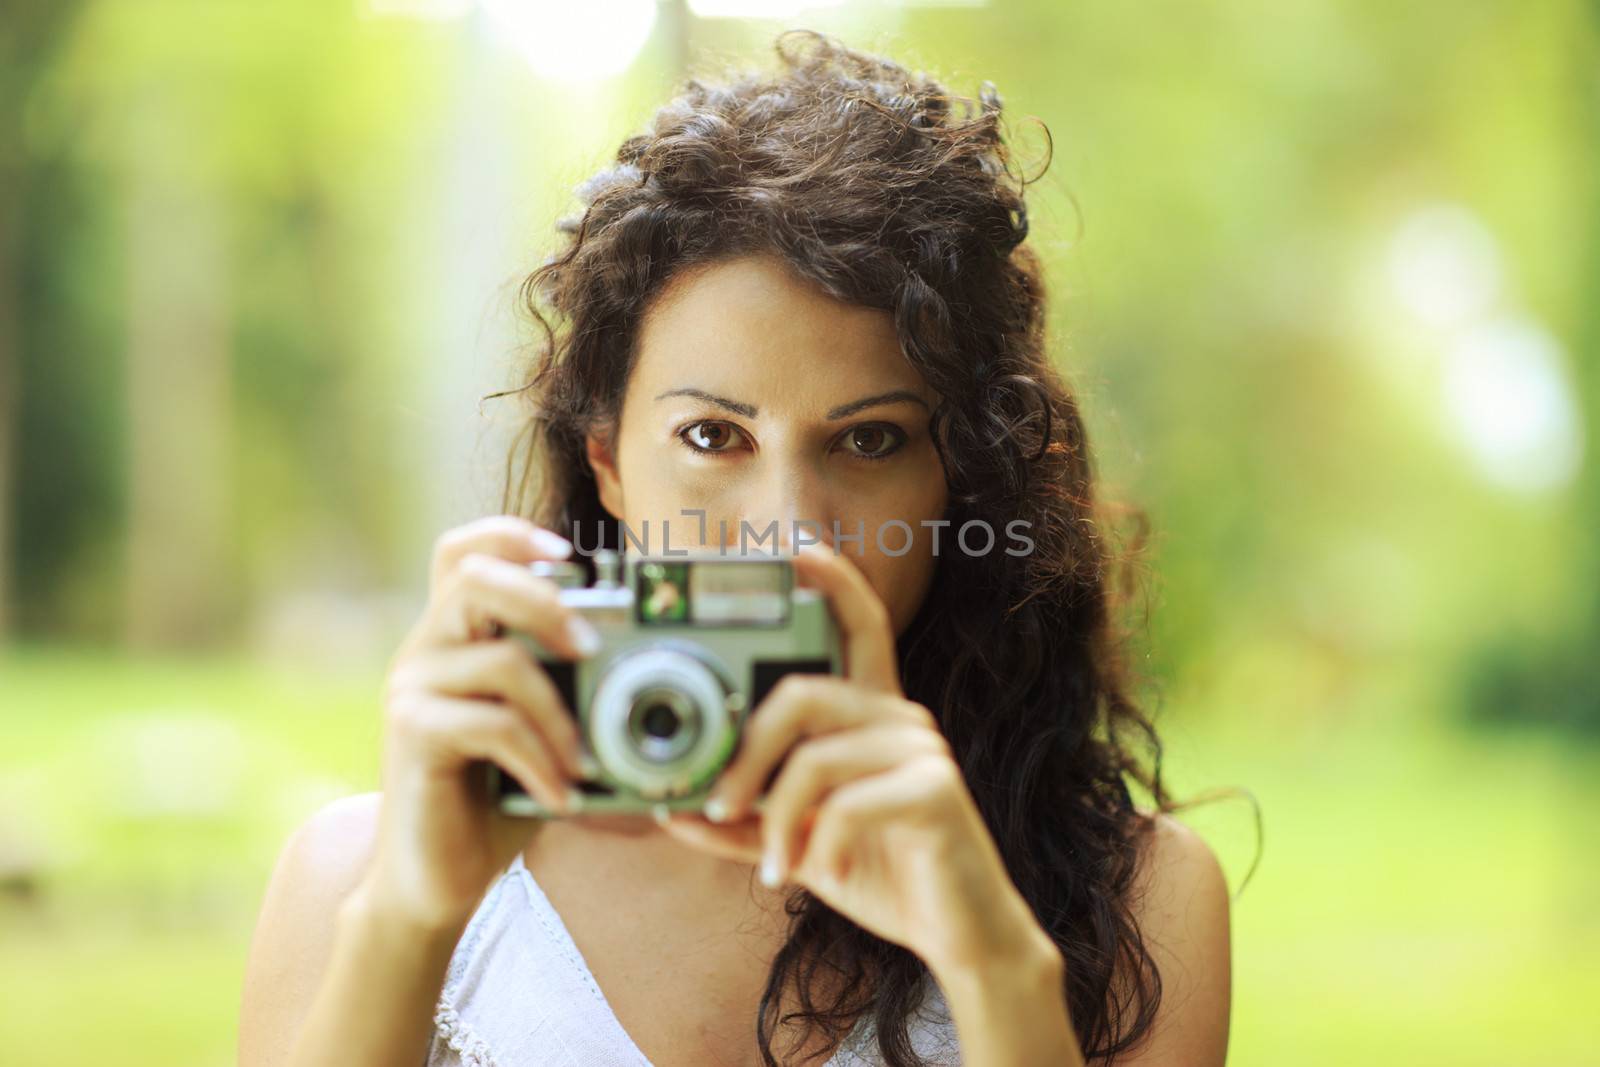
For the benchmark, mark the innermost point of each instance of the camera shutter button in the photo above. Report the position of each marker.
(565, 573)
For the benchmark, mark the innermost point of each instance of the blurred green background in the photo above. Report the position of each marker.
(1324, 273)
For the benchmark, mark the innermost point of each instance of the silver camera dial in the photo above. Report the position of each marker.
(663, 720)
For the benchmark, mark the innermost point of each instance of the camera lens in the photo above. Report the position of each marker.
(663, 723)
(659, 720)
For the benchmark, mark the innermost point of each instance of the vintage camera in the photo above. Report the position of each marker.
(691, 644)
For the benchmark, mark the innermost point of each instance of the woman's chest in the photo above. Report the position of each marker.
(682, 959)
(686, 989)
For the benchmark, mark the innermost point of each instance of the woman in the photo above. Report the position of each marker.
(797, 297)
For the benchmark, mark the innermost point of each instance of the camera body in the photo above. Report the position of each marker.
(690, 645)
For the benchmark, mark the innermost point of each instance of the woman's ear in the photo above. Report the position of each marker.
(603, 462)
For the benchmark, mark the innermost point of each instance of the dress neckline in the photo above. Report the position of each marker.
(569, 949)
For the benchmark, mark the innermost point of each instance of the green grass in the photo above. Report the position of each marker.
(1425, 895)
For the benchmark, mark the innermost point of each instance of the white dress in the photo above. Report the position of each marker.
(519, 994)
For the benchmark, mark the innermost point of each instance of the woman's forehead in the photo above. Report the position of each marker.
(751, 323)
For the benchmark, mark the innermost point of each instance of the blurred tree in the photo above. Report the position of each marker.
(1548, 674)
(179, 397)
(30, 34)
(62, 507)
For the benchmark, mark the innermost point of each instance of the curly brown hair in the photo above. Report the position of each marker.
(870, 181)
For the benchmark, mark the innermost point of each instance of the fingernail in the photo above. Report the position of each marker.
(771, 874)
(661, 815)
(551, 543)
(574, 799)
(588, 766)
(716, 809)
(585, 638)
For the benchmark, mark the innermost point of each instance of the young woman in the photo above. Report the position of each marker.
(797, 297)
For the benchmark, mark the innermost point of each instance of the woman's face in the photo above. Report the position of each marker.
(757, 397)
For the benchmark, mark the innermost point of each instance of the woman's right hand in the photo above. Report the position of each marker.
(456, 693)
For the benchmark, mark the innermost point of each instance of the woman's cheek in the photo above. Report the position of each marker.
(900, 581)
(666, 487)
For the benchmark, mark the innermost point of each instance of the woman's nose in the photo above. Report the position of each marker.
(796, 495)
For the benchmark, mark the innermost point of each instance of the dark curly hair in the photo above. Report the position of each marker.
(867, 180)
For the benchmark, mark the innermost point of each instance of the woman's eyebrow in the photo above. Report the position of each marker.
(735, 406)
(750, 411)
(894, 396)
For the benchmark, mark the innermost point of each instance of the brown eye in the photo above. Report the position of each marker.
(873, 442)
(708, 436)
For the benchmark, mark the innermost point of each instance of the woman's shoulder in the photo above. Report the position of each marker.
(1176, 866)
(319, 865)
(335, 842)
(1180, 903)
(322, 861)
(1168, 843)
(327, 853)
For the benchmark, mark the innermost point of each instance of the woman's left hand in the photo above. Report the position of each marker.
(869, 810)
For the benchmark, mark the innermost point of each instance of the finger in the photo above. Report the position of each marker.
(849, 813)
(450, 732)
(507, 536)
(818, 766)
(741, 843)
(486, 589)
(868, 638)
(506, 670)
(799, 706)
